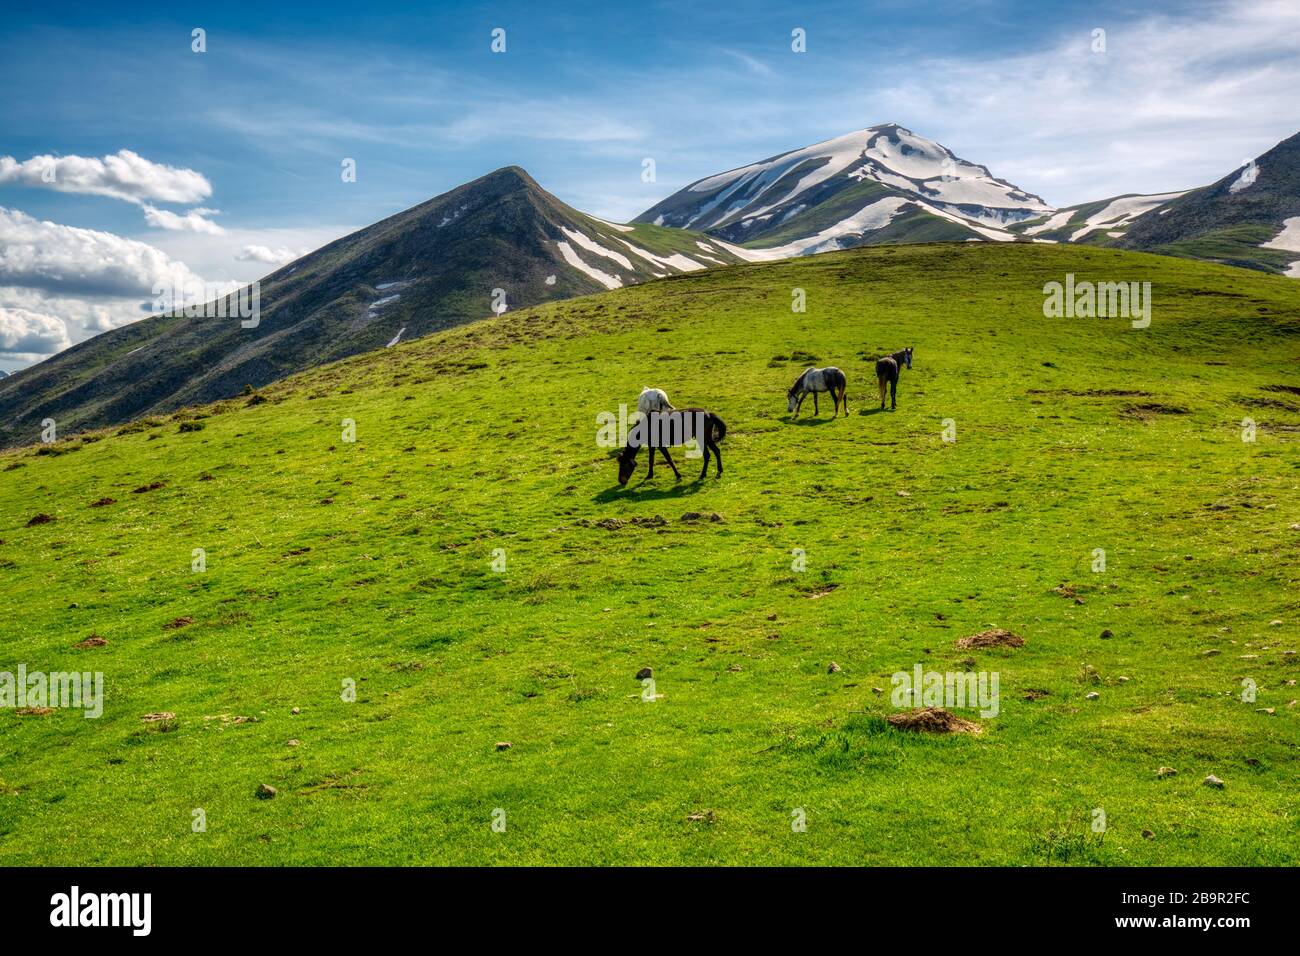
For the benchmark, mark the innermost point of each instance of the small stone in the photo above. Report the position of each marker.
(715, 517)
(1148, 835)
(294, 742)
(1267, 710)
(1275, 623)
(1166, 772)
(296, 710)
(645, 672)
(1213, 781)
(1091, 695)
(877, 690)
(503, 745)
(1107, 634)
(833, 669)
(1122, 680)
(266, 792)
(904, 494)
(771, 617)
(735, 668)
(1212, 652)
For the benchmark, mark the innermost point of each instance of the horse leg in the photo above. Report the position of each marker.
(651, 472)
(881, 380)
(664, 452)
(844, 400)
(799, 404)
(704, 472)
(893, 394)
(816, 410)
(717, 456)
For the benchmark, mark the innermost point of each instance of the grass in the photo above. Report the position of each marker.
(371, 562)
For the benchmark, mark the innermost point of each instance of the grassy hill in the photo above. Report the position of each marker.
(371, 561)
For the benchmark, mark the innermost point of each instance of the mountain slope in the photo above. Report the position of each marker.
(1251, 217)
(882, 184)
(1097, 223)
(433, 266)
(472, 570)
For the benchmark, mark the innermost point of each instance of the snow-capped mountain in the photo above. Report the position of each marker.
(876, 185)
(500, 242)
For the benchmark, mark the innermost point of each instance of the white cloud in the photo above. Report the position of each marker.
(60, 284)
(26, 333)
(193, 221)
(69, 260)
(275, 257)
(1173, 103)
(122, 175)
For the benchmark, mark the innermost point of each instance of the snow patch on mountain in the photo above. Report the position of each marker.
(868, 219)
(1288, 240)
(675, 261)
(591, 245)
(573, 259)
(1055, 221)
(1121, 212)
(1249, 174)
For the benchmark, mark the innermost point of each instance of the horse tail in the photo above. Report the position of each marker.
(719, 428)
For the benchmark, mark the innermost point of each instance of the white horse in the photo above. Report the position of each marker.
(813, 381)
(653, 400)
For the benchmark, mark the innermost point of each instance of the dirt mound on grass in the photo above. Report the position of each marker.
(933, 720)
(994, 638)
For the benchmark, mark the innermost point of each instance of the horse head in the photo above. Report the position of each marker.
(626, 464)
(792, 396)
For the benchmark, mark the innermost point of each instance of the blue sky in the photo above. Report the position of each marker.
(1182, 94)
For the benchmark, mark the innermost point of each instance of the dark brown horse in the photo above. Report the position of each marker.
(887, 370)
(661, 430)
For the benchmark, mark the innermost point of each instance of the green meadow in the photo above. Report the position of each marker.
(468, 571)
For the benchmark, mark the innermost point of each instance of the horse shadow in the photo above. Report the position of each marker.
(805, 422)
(639, 492)
(874, 411)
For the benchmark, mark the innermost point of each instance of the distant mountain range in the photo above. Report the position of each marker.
(503, 242)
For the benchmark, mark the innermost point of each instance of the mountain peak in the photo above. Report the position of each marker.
(848, 190)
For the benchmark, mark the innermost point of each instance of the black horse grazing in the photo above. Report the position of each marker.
(829, 379)
(661, 430)
(887, 370)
